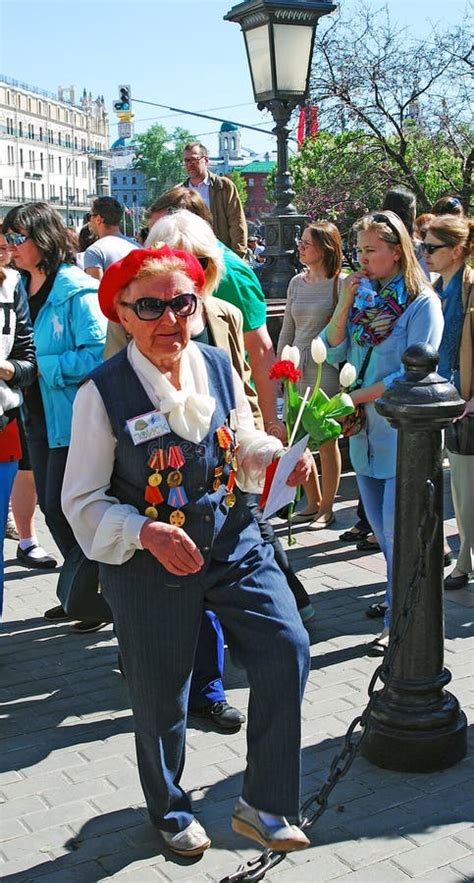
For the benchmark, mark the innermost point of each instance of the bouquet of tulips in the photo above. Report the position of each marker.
(320, 414)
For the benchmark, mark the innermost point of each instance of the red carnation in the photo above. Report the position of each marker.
(284, 370)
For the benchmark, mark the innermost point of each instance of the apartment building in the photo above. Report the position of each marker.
(52, 148)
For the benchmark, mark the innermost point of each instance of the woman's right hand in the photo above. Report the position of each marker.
(349, 287)
(172, 547)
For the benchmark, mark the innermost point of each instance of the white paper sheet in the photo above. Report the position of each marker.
(282, 494)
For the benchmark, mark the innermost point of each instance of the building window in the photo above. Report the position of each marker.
(42, 191)
(75, 143)
(40, 109)
(124, 179)
(51, 163)
(29, 105)
(8, 97)
(61, 194)
(114, 179)
(77, 195)
(76, 167)
(84, 196)
(31, 158)
(11, 156)
(41, 133)
(251, 182)
(59, 138)
(11, 187)
(22, 189)
(134, 180)
(41, 162)
(60, 165)
(21, 157)
(33, 190)
(125, 197)
(20, 130)
(84, 170)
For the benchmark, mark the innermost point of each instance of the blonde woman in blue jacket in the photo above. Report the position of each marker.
(69, 335)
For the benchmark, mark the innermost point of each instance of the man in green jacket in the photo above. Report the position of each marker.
(221, 197)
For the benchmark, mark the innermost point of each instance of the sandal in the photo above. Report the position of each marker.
(366, 546)
(376, 611)
(353, 536)
(376, 648)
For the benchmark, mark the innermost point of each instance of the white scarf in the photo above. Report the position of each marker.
(189, 410)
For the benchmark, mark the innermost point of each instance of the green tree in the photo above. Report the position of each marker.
(160, 156)
(408, 95)
(241, 185)
(340, 176)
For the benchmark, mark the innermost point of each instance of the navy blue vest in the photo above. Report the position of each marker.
(220, 532)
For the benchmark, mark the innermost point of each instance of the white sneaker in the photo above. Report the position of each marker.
(192, 841)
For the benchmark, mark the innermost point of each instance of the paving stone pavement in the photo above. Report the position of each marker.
(73, 810)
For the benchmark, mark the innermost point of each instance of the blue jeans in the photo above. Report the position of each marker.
(378, 497)
(8, 471)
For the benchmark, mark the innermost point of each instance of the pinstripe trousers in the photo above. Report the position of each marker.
(157, 628)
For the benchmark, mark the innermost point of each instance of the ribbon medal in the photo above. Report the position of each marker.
(177, 498)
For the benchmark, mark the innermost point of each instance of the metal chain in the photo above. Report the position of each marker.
(256, 868)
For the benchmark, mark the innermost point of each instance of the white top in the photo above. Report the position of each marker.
(106, 529)
(203, 189)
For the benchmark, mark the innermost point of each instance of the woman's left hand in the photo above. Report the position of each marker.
(302, 470)
(469, 409)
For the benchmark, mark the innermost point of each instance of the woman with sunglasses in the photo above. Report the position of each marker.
(69, 334)
(17, 370)
(372, 328)
(311, 298)
(170, 432)
(448, 246)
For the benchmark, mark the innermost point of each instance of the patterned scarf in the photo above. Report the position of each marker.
(375, 312)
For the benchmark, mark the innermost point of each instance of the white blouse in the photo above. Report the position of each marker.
(106, 529)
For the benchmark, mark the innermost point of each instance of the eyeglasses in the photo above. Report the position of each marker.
(430, 248)
(150, 308)
(302, 243)
(382, 219)
(190, 160)
(15, 238)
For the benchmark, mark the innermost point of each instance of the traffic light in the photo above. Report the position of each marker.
(124, 103)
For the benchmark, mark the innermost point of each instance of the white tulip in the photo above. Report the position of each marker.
(318, 351)
(347, 375)
(291, 354)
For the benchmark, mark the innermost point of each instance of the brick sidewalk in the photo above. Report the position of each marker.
(73, 808)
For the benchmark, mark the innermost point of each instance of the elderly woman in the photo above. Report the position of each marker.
(169, 430)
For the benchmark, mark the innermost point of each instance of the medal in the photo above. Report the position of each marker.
(230, 500)
(175, 457)
(177, 518)
(177, 497)
(174, 479)
(151, 512)
(155, 479)
(228, 456)
(153, 495)
(216, 484)
(218, 471)
(230, 497)
(157, 460)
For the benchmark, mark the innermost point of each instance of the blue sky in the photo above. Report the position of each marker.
(171, 51)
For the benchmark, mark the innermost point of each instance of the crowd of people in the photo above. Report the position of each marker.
(137, 410)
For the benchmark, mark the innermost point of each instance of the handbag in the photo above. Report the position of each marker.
(355, 422)
(460, 436)
(78, 589)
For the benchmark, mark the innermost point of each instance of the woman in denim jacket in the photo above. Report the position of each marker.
(397, 310)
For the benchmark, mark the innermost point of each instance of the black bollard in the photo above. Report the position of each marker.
(415, 724)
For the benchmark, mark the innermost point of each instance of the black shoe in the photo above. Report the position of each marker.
(44, 562)
(376, 648)
(452, 583)
(376, 611)
(85, 627)
(222, 714)
(448, 558)
(353, 536)
(366, 546)
(56, 614)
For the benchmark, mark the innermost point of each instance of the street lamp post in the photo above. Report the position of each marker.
(279, 38)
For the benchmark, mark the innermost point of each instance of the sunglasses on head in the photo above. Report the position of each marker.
(150, 308)
(380, 218)
(430, 248)
(16, 238)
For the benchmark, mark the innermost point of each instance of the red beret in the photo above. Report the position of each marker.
(122, 272)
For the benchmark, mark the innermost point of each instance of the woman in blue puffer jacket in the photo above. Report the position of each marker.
(69, 335)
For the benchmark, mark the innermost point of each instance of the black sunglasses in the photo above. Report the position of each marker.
(150, 308)
(430, 248)
(380, 218)
(16, 238)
